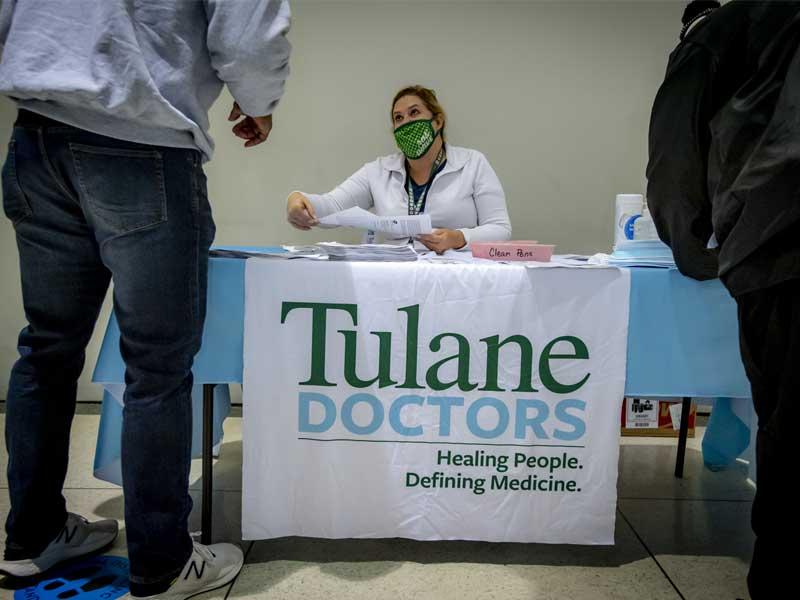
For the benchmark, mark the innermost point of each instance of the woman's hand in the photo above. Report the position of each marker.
(300, 212)
(442, 240)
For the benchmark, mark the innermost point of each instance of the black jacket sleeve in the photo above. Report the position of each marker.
(677, 183)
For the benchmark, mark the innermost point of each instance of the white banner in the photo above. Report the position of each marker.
(432, 401)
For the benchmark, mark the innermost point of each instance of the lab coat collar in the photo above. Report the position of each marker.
(456, 159)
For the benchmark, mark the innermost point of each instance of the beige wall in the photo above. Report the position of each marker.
(556, 94)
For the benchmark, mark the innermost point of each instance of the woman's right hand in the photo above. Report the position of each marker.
(300, 212)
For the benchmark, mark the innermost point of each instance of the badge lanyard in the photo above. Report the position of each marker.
(417, 207)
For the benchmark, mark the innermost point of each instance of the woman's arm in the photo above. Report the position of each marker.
(354, 191)
(490, 202)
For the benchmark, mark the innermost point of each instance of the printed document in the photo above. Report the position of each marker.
(399, 226)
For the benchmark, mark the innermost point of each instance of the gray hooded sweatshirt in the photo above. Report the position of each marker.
(143, 70)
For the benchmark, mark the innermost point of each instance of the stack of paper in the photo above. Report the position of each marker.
(638, 253)
(368, 252)
(310, 251)
(283, 252)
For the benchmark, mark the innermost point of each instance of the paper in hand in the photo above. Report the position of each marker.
(399, 226)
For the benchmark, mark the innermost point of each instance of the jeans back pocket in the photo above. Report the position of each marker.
(15, 204)
(123, 188)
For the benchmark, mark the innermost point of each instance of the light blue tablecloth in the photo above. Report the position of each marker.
(683, 338)
(682, 341)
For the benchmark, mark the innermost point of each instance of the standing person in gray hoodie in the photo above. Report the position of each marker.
(104, 181)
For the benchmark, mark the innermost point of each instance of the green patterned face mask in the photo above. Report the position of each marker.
(415, 138)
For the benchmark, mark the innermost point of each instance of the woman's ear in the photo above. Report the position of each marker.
(439, 121)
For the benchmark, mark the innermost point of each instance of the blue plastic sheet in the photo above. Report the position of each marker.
(727, 436)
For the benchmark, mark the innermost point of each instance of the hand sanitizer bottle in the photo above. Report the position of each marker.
(627, 211)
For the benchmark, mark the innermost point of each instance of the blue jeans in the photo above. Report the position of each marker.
(88, 209)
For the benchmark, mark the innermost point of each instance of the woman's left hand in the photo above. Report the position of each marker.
(441, 240)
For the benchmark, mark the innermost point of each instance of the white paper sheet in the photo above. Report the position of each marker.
(400, 226)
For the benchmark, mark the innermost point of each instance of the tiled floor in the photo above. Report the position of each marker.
(686, 538)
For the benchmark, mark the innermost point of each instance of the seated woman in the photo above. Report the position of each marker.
(456, 186)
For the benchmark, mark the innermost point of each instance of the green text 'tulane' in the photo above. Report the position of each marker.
(433, 381)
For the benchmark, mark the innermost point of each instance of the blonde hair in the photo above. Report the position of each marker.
(428, 97)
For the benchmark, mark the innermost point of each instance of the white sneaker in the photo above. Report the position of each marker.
(208, 568)
(77, 537)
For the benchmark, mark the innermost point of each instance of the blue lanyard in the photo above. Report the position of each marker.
(418, 207)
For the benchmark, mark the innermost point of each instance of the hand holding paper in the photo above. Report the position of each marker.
(399, 226)
(300, 212)
(441, 240)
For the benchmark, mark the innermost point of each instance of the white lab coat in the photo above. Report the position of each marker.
(466, 195)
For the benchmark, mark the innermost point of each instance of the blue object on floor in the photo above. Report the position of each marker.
(726, 436)
(96, 578)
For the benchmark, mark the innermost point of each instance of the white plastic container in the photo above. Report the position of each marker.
(628, 209)
(644, 228)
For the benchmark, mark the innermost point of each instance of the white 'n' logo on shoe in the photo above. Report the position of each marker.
(67, 535)
(193, 567)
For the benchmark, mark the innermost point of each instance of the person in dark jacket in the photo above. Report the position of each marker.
(725, 164)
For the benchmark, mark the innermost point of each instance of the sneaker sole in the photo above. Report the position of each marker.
(30, 568)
